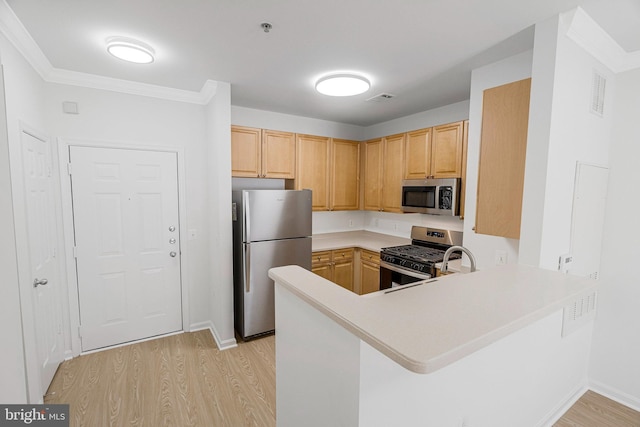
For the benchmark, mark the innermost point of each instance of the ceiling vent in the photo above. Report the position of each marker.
(381, 97)
(597, 93)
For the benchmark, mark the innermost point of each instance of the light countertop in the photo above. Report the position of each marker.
(356, 239)
(429, 326)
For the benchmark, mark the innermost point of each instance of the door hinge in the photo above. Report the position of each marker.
(69, 168)
(75, 252)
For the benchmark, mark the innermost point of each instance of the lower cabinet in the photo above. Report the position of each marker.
(336, 266)
(355, 269)
(369, 271)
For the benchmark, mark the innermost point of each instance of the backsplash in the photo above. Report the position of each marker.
(380, 222)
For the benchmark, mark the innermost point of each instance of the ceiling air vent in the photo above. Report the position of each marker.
(381, 97)
(597, 93)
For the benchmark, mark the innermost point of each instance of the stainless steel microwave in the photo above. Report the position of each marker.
(440, 196)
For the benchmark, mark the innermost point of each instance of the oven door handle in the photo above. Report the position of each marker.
(404, 271)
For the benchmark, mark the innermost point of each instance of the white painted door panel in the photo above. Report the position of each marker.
(125, 206)
(41, 229)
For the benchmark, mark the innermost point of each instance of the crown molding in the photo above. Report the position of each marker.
(19, 37)
(587, 34)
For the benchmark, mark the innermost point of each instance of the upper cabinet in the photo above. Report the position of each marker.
(434, 152)
(314, 168)
(331, 169)
(345, 175)
(503, 145)
(383, 166)
(258, 153)
(417, 163)
(446, 151)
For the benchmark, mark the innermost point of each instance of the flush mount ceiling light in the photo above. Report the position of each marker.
(342, 85)
(130, 50)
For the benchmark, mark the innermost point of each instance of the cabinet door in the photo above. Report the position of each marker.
(446, 151)
(313, 169)
(245, 152)
(392, 173)
(345, 183)
(503, 146)
(278, 154)
(372, 176)
(323, 270)
(463, 181)
(417, 164)
(343, 273)
(370, 277)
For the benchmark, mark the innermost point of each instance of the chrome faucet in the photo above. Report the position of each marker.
(447, 254)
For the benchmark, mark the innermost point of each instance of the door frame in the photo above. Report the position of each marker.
(64, 145)
(32, 364)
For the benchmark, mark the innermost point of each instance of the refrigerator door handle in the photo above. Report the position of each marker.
(246, 217)
(247, 267)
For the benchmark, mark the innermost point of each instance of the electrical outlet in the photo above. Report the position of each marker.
(500, 257)
(395, 226)
(564, 262)
(350, 223)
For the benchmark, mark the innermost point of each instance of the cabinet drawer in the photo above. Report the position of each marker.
(369, 256)
(320, 257)
(342, 254)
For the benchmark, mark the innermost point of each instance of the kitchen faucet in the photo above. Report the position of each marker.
(447, 254)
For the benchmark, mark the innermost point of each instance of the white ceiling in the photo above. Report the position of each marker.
(421, 51)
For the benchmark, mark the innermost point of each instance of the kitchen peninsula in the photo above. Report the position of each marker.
(480, 349)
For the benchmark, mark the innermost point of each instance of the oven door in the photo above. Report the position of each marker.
(392, 275)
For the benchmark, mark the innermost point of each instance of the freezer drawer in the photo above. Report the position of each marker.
(255, 311)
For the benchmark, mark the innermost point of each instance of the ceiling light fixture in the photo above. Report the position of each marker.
(342, 85)
(130, 50)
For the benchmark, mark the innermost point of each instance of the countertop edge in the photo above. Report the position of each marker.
(420, 367)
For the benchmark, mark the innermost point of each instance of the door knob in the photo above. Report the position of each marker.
(172, 241)
(37, 282)
(172, 228)
(172, 254)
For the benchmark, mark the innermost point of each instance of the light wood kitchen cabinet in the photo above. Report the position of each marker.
(435, 152)
(463, 181)
(313, 168)
(345, 175)
(262, 153)
(336, 266)
(369, 272)
(446, 150)
(331, 169)
(503, 144)
(383, 173)
(417, 161)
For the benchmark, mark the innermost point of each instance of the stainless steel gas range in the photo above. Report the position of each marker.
(401, 265)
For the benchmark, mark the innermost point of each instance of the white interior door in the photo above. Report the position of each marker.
(41, 228)
(125, 211)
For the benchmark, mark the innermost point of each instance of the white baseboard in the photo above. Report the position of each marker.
(615, 394)
(556, 413)
(222, 344)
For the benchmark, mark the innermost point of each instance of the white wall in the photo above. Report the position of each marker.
(220, 277)
(615, 356)
(437, 116)
(12, 375)
(242, 116)
(562, 125)
(123, 119)
(24, 91)
(512, 69)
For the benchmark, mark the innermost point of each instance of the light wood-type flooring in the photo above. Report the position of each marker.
(184, 380)
(179, 380)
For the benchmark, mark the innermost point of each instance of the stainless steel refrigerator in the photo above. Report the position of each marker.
(271, 228)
